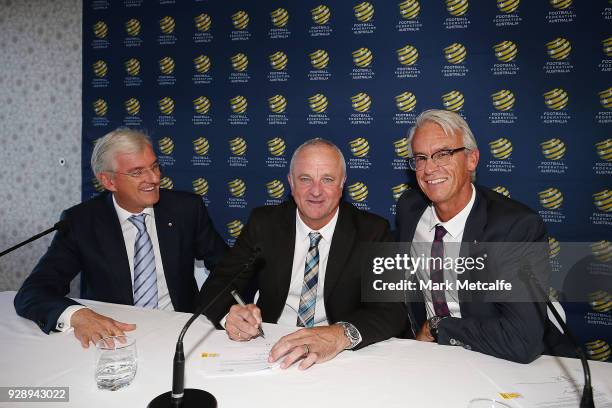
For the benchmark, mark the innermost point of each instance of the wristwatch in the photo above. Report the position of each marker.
(351, 333)
(433, 324)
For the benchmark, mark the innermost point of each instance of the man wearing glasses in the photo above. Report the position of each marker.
(133, 245)
(449, 216)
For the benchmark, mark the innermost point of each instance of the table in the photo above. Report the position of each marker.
(395, 373)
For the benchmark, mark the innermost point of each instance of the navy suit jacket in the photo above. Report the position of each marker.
(92, 244)
(272, 229)
(509, 330)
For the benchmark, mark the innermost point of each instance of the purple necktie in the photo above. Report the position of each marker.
(437, 274)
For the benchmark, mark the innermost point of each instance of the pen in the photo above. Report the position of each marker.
(241, 303)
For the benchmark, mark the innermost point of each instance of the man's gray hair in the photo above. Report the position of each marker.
(314, 142)
(121, 140)
(450, 122)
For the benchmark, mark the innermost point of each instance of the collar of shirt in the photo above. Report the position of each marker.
(302, 230)
(125, 214)
(455, 226)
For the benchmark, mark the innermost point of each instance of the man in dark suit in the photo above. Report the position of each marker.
(449, 210)
(135, 245)
(310, 267)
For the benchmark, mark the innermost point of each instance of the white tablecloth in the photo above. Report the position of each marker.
(395, 373)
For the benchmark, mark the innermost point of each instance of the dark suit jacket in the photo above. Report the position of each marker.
(509, 330)
(92, 243)
(273, 230)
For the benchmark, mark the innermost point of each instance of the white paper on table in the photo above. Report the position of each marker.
(553, 391)
(241, 358)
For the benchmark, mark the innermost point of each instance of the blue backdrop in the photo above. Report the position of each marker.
(227, 91)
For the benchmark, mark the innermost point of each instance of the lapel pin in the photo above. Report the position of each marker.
(169, 224)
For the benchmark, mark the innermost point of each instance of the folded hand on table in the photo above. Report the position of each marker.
(90, 326)
(312, 345)
(242, 322)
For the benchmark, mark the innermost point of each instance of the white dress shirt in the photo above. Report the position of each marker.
(302, 243)
(129, 238)
(423, 239)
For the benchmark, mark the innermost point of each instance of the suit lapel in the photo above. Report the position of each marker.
(471, 242)
(283, 248)
(168, 237)
(112, 245)
(342, 243)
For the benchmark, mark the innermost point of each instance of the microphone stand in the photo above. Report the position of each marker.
(192, 397)
(58, 225)
(587, 392)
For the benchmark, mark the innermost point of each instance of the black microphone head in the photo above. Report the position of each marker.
(61, 225)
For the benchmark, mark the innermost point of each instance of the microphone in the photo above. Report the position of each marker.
(192, 397)
(61, 225)
(587, 391)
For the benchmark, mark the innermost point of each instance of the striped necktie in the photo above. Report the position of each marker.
(145, 278)
(308, 298)
(438, 297)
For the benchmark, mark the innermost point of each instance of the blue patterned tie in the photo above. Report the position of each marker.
(145, 278)
(308, 299)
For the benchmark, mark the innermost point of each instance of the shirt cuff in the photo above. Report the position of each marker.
(222, 321)
(63, 322)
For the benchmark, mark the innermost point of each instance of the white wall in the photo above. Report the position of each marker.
(40, 123)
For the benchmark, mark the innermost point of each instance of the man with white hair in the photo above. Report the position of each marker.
(309, 248)
(449, 216)
(134, 245)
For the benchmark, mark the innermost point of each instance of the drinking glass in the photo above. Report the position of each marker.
(116, 362)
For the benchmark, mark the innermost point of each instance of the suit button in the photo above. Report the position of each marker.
(467, 347)
(453, 342)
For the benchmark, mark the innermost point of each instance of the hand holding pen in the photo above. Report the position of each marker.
(243, 321)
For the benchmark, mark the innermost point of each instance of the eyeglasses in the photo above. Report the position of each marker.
(140, 172)
(440, 158)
